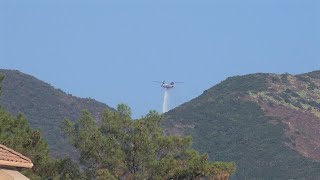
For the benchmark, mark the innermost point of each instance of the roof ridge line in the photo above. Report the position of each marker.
(16, 153)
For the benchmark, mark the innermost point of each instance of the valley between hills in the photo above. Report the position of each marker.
(268, 124)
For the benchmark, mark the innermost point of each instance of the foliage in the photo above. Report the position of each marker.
(253, 82)
(45, 107)
(66, 169)
(16, 134)
(313, 74)
(122, 148)
(231, 128)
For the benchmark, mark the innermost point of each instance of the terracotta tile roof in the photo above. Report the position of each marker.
(9, 157)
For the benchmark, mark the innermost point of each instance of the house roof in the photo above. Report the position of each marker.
(9, 157)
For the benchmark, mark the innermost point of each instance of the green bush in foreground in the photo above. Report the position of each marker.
(123, 148)
(16, 134)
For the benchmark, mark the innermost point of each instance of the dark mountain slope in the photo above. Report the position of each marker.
(267, 123)
(45, 107)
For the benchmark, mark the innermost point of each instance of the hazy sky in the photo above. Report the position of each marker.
(113, 50)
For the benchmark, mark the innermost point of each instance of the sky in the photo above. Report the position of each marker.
(113, 50)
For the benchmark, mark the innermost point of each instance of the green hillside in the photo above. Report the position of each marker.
(45, 107)
(267, 123)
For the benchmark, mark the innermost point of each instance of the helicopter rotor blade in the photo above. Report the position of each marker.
(157, 81)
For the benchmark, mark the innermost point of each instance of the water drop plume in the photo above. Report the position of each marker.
(166, 101)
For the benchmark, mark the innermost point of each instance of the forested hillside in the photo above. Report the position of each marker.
(267, 123)
(45, 107)
(112, 147)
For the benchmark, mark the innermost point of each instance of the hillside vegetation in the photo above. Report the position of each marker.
(127, 149)
(45, 107)
(16, 133)
(267, 123)
(118, 147)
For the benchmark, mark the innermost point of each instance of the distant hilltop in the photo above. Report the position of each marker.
(269, 124)
(45, 107)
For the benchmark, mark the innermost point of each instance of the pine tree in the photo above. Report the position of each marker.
(122, 148)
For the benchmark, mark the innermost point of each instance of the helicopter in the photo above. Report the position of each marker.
(167, 85)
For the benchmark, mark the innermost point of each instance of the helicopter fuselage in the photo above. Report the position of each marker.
(167, 86)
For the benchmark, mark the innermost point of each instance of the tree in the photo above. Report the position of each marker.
(122, 148)
(16, 133)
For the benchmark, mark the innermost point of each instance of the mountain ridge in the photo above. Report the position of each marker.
(45, 107)
(265, 122)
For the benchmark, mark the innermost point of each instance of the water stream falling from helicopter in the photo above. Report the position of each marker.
(166, 97)
(166, 100)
